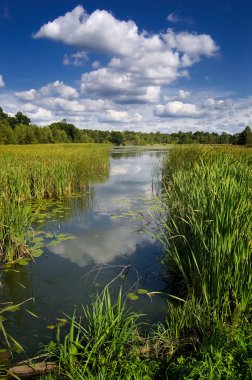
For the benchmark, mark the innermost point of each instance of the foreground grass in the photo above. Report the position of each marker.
(32, 173)
(206, 235)
(104, 343)
(101, 344)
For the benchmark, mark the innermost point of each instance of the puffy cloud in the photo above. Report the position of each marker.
(139, 61)
(121, 87)
(2, 84)
(177, 109)
(51, 89)
(193, 45)
(58, 88)
(207, 113)
(114, 116)
(133, 87)
(37, 113)
(27, 95)
(183, 94)
(99, 31)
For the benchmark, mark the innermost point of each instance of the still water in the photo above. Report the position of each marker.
(110, 247)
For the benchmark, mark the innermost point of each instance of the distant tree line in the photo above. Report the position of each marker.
(19, 130)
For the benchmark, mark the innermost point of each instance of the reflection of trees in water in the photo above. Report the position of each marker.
(118, 153)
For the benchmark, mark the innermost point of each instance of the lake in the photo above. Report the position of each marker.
(111, 245)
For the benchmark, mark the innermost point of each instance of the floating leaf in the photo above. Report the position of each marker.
(133, 296)
(51, 327)
(37, 240)
(37, 253)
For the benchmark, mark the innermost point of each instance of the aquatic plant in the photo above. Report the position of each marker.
(102, 343)
(30, 174)
(207, 233)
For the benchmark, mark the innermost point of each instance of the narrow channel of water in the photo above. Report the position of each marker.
(109, 247)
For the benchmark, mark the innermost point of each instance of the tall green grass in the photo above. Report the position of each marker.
(207, 234)
(102, 343)
(30, 174)
(47, 171)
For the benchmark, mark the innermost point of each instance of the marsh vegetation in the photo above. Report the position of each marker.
(204, 227)
(31, 175)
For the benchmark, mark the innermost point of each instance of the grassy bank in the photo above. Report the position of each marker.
(36, 172)
(207, 238)
(206, 235)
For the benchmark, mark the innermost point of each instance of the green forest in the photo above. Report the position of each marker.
(19, 130)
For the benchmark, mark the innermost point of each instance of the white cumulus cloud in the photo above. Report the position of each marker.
(139, 61)
(194, 45)
(177, 109)
(119, 86)
(114, 116)
(51, 89)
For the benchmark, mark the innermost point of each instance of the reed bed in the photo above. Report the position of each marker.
(208, 232)
(207, 239)
(50, 171)
(29, 174)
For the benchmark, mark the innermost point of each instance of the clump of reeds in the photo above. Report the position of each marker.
(14, 223)
(207, 234)
(47, 171)
(32, 173)
(102, 343)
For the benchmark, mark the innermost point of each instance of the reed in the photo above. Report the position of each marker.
(102, 343)
(207, 234)
(30, 174)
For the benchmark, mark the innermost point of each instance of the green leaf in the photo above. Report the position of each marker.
(132, 296)
(51, 327)
(37, 253)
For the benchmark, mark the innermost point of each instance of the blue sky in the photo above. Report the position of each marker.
(148, 65)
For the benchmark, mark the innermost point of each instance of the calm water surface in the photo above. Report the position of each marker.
(108, 248)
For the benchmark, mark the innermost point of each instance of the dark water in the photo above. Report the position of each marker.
(110, 248)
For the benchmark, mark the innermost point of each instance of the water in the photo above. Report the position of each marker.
(110, 247)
